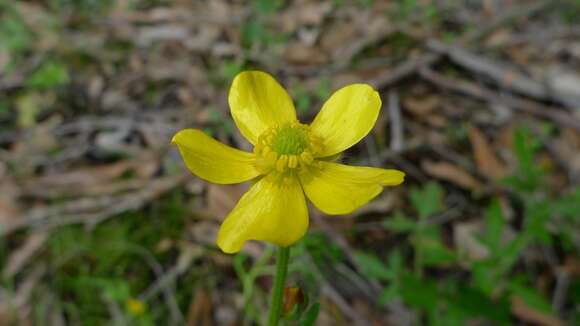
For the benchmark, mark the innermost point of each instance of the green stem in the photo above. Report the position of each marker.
(278, 289)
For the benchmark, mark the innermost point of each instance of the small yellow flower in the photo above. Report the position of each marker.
(135, 307)
(290, 160)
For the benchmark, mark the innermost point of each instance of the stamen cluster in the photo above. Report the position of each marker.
(286, 148)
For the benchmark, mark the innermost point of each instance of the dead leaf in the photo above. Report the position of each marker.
(10, 210)
(529, 314)
(422, 106)
(452, 173)
(301, 54)
(572, 266)
(200, 309)
(336, 35)
(7, 314)
(487, 162)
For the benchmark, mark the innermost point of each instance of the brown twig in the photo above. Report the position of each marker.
(396, 122)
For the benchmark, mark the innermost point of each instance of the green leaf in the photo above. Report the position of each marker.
(537, 215)
(230, 69)
(428, 200)
(528, 176)
(436, 254)
(254, 32)
(396, 263)
(485, 277)
(267, 6)
(531, 297)
(14, 33)
(50, 74)
(568, 205)
(116, 290)
(495, 223)
(419, 293)
(475, 303)
(389, 294)
(311, 315)
(372, 267)
(303, 100)
(399, 223)
(510, 253)
(323, 89)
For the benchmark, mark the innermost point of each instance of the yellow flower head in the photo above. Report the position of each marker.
(135, 307)
(290, 160)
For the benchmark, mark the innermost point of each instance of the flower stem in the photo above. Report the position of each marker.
(278, 289)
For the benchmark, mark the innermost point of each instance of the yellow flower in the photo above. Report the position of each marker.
(290, 160)
(135, 307)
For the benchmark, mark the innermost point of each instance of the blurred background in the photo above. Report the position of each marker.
(100, 224)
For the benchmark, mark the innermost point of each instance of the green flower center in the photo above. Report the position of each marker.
(290, 141)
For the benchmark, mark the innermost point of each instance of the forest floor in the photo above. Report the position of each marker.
(101, 224)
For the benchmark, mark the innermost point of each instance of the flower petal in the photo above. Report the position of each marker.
(213, 161)
(346, 117)
(258, 102)
(340, 189)
(270, 211)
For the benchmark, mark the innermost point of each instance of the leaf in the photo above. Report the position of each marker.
(451, 172)
(311, 315)
(436, 254)
(528, 176)
(399, 223)
(476, 303)
(537, 215)
(485, 278)
(521, 309)
(428, 200)
(568, 205)
(531, 297)
(510, 253)
(372, 267)
(323, 89)
(14, 33)
(396, 263)
(389, 294)
(116, 289)
(50, 74)
(494, 225)
(485, 157)
(419, 293)
(267, 6)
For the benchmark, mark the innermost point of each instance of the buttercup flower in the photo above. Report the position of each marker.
(290, 160)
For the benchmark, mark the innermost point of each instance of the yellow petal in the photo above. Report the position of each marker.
(270, 211)
(213, 161)
(258, 102)
(340, 189)
(346, 117)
